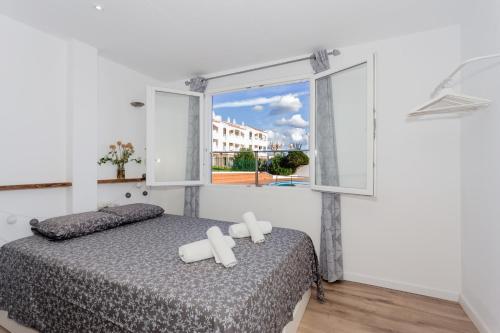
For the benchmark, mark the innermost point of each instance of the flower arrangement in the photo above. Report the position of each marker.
(119, 154)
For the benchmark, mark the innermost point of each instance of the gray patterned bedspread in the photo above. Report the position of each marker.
(130, 279)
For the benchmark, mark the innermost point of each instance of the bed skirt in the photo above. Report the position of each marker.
(292, 327)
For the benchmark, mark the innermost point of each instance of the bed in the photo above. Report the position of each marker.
(130, 279)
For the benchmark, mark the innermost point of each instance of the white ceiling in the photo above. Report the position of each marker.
(174, 39)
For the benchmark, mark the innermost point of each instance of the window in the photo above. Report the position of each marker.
(270, 145)
(174, 122)
(282, 135)
(347, 163)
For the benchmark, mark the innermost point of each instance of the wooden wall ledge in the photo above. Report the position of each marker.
(34, 186)
(65, 184)
(119, 181)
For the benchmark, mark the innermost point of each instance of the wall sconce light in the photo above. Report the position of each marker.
(137, 104)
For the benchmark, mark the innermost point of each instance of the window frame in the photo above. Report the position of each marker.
(208, 122)
(342, 63)
(150, 135)
(371, 120)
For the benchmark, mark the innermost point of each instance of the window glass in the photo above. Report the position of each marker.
(175, 138)
(344, 131)
(267, 140)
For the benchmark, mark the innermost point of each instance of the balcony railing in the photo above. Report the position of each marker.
(261, 167)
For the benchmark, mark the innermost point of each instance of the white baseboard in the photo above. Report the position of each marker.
(401, 286)
(473, 315)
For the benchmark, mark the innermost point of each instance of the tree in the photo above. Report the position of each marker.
(285, 165)
(244, 160)
(295, 159)
(276, 166)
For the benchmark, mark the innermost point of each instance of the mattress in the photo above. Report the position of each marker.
(130, 279)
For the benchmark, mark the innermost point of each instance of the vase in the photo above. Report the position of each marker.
(120, 172)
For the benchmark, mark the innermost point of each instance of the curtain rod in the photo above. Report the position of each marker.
(333, 52)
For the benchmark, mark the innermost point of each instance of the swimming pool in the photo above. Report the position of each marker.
(289, 183)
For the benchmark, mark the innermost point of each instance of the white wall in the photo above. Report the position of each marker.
(408, 237)
(37, 143)
(480, 169)
(33, 88)
(33, 91)
(118, 120)
(81, 131)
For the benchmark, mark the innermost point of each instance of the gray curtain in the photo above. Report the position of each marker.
(327, 173)
(192, 193)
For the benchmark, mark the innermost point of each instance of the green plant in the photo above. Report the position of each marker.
(276, 166)
(244, 160)
(219, 168)
(263, 165)
(285, 165)
(119, 155)
(295, 159)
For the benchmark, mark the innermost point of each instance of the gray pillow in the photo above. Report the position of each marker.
(75, 225)
(135, 212)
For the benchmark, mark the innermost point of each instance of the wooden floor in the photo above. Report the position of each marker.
(358, 308)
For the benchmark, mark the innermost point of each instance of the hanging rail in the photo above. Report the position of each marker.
(446, 83)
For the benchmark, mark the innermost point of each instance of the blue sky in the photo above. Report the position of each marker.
(281, 110)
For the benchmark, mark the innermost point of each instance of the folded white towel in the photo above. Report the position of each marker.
(200, 250)
(240, 230)
(216, 257)
(253, 227)
(222, 251)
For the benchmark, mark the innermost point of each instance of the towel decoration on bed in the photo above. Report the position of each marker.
(221, 250)
(200, 250)
(253, 227)
(219, 247)
(240, 230)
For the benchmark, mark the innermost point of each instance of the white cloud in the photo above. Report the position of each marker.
(275, 136)
(248, 102)
(278, 104)
(295, 121)
(286, 103)
(287, 136)
(298, 135)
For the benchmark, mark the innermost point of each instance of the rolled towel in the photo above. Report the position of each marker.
(240, 230)
(200, 250)
(221, 250)
(253, 227)
(216, 257)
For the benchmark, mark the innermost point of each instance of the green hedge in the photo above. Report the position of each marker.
(285, 165)
(280, 164)
(244, 160)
